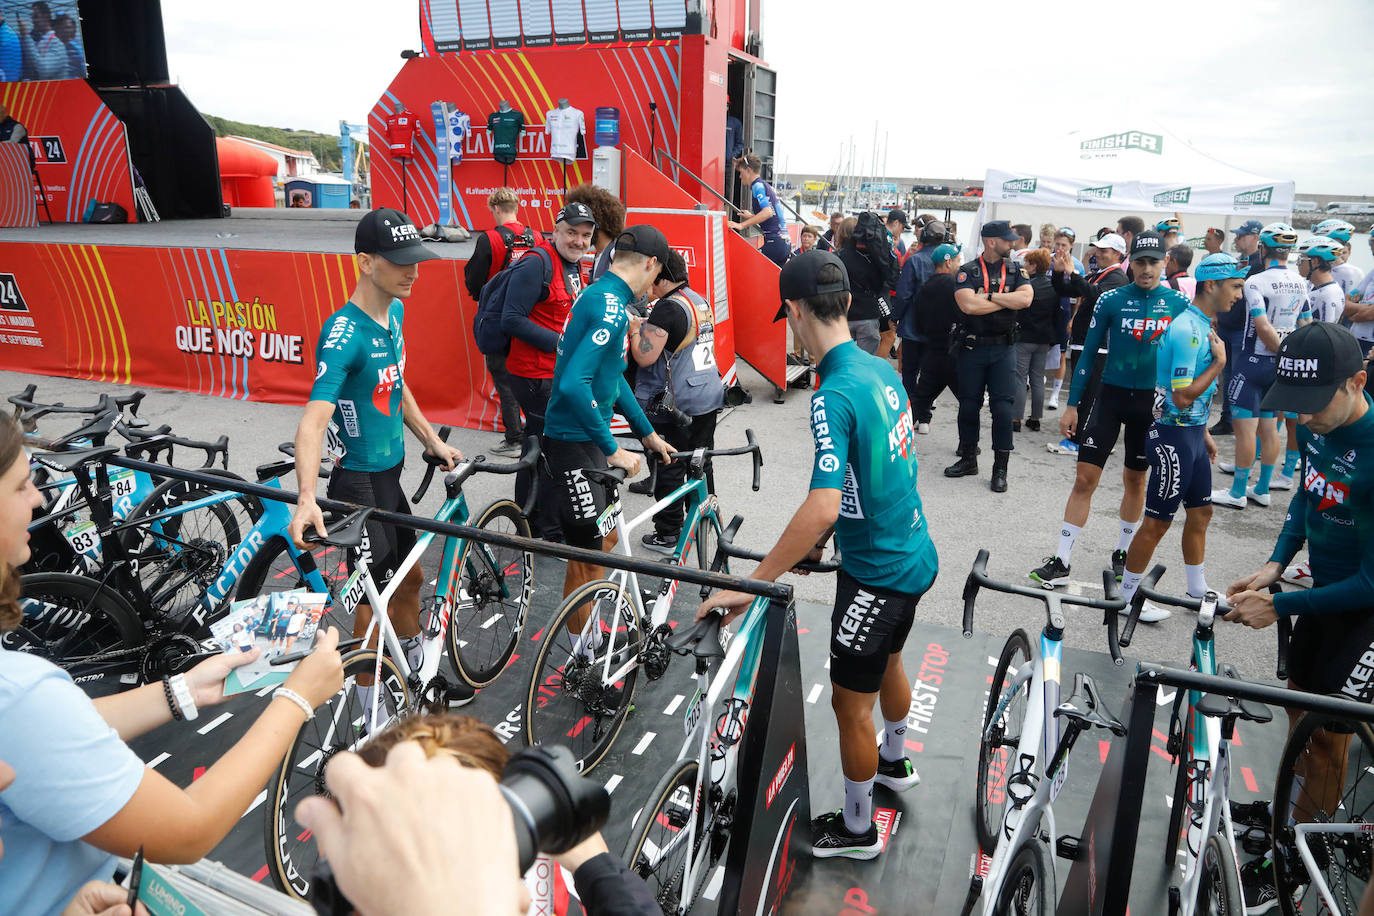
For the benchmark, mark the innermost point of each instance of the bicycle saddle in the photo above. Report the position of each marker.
(1222, 707)
(701, 638)
(607, 477)
(1082, 708)
(71, 460)
(348, 534)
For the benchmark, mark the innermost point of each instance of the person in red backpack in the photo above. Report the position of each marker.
(496, 249)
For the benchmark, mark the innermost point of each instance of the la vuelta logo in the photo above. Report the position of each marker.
(1330, 492)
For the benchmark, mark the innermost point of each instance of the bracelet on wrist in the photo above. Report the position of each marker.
(171, 700)
(286, 693)
(181, 693)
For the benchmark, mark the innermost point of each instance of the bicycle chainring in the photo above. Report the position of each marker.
(164, 654)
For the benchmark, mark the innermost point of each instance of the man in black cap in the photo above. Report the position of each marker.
(361, 402)
(911, 324)
(989, 291)
(539, 297)
(863, 485)
(1320, 376)
(897, 223)
(588, 384)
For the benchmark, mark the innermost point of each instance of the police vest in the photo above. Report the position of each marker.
(692, 366)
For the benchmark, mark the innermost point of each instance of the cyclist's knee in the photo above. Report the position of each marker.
(610, 540)
(1086, 478)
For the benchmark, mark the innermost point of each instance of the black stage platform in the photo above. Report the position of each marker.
(931, 846)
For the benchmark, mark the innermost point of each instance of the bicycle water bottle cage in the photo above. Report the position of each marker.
(1081, 708)
(70, 461)
(1021, 784)
(701, 639)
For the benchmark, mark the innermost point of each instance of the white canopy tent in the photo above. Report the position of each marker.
(1089, 178)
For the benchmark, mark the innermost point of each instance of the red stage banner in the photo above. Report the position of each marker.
(79, 146)
(759, 341)
(18, 202)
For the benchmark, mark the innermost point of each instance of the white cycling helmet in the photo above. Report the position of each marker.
(1321, 248)
(1337, 229)
(1278, 235)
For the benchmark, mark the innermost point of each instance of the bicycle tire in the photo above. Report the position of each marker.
(589, 725)
(991, 799)
(485, 625)
(272, 570)
(1356, 804)
(108, 642)
(1029, 887)
(291, 852)
(1219, 890)
(708, 544)
(1179, 805)
(661, 821)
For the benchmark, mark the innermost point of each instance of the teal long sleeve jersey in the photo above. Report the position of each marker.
(1333, 511)
(1132, 321)
(589, 371)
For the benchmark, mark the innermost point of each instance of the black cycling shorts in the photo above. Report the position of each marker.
(1334, 653)
(583, 507)
(384, 546)
(1113, 408)
(868, 626)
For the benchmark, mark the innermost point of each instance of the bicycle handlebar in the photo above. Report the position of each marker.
(751, 449)
(153, 444)
(728, 548)
(28, 410)
(1109, 604)
(453, 481)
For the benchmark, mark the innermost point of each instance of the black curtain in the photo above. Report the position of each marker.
(124, 42)
(172, 147)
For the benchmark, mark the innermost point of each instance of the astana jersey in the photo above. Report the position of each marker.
(1185, 354)
(1280, 294)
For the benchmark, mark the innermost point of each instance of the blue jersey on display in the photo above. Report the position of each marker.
(761, 195)
(1185, 354)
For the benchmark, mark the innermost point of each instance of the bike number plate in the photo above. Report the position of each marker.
(693, 715)
(353, 592)
(1059, 779)
(84, 538)
(122, 484)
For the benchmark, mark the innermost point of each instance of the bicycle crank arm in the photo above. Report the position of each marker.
(975, 890)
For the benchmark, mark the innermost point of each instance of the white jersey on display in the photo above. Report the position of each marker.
(1280, 294)
(1348, 276)
(1328, 301)
(459, 126)
(564, 126)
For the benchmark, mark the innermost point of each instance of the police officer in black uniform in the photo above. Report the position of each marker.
(989, 290)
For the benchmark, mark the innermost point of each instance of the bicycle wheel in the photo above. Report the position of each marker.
(1219, 890)
(596, 630)
(491, 599)
(1317, 794)
(1179, 805)
(708, 544)
(1029, 889)
(178, 557)
(79, 625)
(998, 741)
(273, 570)
(336, 726)
(657, 849)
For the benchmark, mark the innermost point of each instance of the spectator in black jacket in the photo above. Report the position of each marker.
(939, 314)
(827, 239)
(871, 275)
(1036, 335)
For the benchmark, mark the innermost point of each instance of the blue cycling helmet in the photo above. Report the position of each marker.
(1337, 229)
(1220, 266)
(1323, 248)
(1278, 235)
(1172, 224)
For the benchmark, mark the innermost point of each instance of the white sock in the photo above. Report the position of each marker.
(365, 706)
(1068, 534)
(858, 805)
(1127, 533)
(414, 648)
(1129, 583)
(893, 747)
(1197, 580)
(587, 645)
(1058, 387)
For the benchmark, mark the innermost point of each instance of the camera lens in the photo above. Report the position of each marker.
(555, 808)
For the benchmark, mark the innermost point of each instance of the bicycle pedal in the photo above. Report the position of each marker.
(1068, 847)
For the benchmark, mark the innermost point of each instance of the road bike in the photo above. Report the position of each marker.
(685, 828)
(1027, 735)
(582, 683)
(478, 614)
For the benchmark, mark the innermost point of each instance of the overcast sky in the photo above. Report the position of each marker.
(956, 87)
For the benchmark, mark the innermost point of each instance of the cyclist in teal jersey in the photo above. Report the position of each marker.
(1320, 376)
(1180, 448)
(863, 487)
(1132, 320)
(361, 402)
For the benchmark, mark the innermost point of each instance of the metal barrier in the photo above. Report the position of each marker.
(1099, 881)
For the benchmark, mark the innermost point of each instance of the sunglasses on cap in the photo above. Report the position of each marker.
(1065, 230)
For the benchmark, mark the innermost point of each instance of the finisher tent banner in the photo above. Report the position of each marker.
(1146, 170)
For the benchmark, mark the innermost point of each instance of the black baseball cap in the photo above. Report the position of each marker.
(798, 278)
(899, 215)
(1313, 362)
(999, 229)
(576, 214)
(390, 234)
(644, 239)
(674, 270)
(1148, 244)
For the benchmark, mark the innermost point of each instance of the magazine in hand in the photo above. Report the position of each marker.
(276, 624)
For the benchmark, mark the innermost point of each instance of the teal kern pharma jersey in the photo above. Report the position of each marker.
(865, 448)
(1333, 510)
(589, 372)
(1185, 354)
(1133, 322)
(360, 370)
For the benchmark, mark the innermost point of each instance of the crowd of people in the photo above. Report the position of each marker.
(40, 44)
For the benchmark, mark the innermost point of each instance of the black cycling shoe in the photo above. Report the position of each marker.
(1118, 563)
(1251, 814)
(1257, 885)
(1054, 572)
(831, 838)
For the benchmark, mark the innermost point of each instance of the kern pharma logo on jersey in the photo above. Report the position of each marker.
(1173, 198)
(1260, 197)
(1018, 186)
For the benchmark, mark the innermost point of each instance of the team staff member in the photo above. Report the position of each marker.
(867, 493)
(940, 313)
(989, 291)
(1231, 323)
(767, 211)
(1320, 376)
(588, 383)
(494, 249)
(1180, 448)
(361, 400)
(539, 298)
(675, 350)
(916, 270)
(1132, 321)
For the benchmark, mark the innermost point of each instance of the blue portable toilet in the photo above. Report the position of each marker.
(324, 192)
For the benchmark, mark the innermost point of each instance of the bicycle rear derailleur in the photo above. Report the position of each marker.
(655, 655)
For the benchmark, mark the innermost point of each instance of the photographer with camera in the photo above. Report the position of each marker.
(678, 385)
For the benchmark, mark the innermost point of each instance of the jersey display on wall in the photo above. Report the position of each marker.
(565, 127)
(506, 127)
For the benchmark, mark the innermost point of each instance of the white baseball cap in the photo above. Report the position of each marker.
(1111, 240)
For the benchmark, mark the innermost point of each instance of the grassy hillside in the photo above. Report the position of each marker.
(324, 146)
